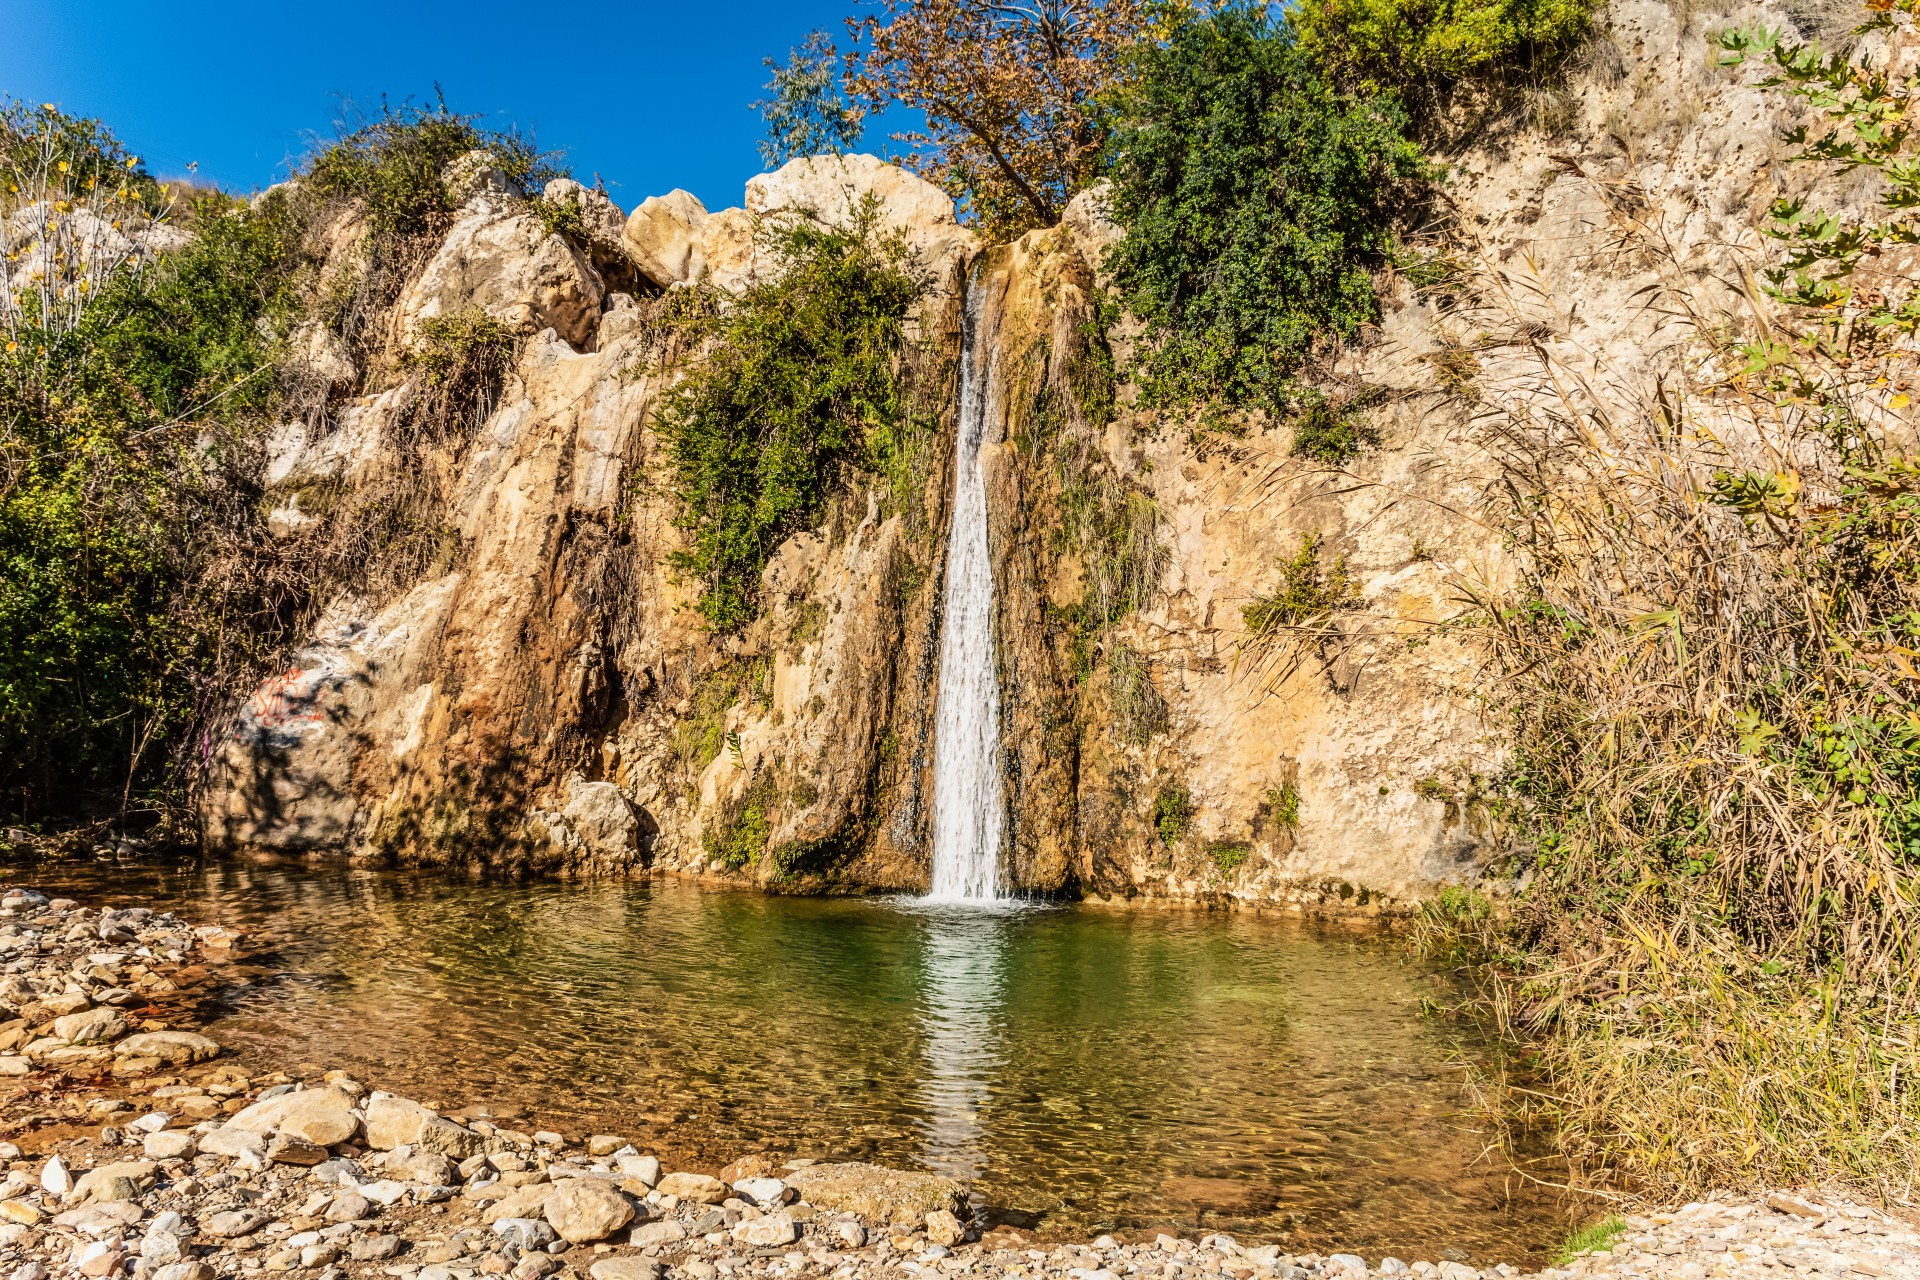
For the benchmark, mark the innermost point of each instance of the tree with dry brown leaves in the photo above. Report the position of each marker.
(1010, 89)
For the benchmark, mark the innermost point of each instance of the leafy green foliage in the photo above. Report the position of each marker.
(1229, 856)
(800, 389)
(1256, 199)
(1869, 127)
(1416, 50)
(1336, 430)
(807, 112)
(1172, 813)
(396, 161)
(136, 583)
(740, 839)
(83, 153)
(1283, 806)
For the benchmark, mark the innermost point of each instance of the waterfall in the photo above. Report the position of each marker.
(968, 811)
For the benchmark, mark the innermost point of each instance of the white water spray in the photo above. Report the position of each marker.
(968, 811)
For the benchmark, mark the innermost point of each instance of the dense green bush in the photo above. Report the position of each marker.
(396, 158)
(800, 388)
(1257, 199)
(1416, 50)
(107, 497)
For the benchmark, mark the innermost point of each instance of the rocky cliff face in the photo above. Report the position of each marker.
(545, 697)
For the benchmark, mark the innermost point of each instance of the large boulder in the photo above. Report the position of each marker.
(663, 238)
(584, 1210)
(500, 258)
(320, 1116)
(397, 1122)
(834, 189)
(674, 240)
(605, 822)
(877, 1194)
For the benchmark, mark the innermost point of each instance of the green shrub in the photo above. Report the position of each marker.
(800, 389)
(1256, 200)
(115, 428)
(1415, 50)
(395, 160)
(1173, 811)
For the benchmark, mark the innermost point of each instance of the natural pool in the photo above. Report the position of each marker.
(1088, 1069)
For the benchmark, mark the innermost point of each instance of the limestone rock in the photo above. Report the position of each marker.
(169, 1144)
(233, 1223)
(603, 819)
(95, 1026)
(767, 1231)
(765, 1192)
(603, 225)
(520, 1202)
(877, 1194)
(697, 1187)
(231, 1141)
(663, 238)
(397, 1122)
(583, 1210)
(413, 1164)
(659, 1233)
(174, 1048)
(284, 1148)
(1088, 218)
(499, 259)
(945, 1228)
(625, 1268)
(642, 1169)
(308, 1114)
(832, 189)
(349, 1206)
(125, 1180)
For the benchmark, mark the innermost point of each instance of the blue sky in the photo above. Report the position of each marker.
(649, 95)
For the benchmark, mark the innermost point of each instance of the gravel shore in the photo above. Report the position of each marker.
(132, 1147)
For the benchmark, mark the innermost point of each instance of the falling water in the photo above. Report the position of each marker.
(967, 807)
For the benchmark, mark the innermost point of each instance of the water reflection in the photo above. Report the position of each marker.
(1096, 1070)
(961, 1013)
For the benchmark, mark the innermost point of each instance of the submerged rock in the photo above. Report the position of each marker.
(882, 1195)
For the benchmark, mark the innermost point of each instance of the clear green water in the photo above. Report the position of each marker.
(1088, 1068)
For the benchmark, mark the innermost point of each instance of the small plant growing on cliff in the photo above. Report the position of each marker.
(1230, 856)
(1310, 592)
(1283, 806)
(1337, 429)
(799, 389)
(1172, 813)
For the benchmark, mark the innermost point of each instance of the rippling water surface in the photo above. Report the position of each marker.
(1089, 1068)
